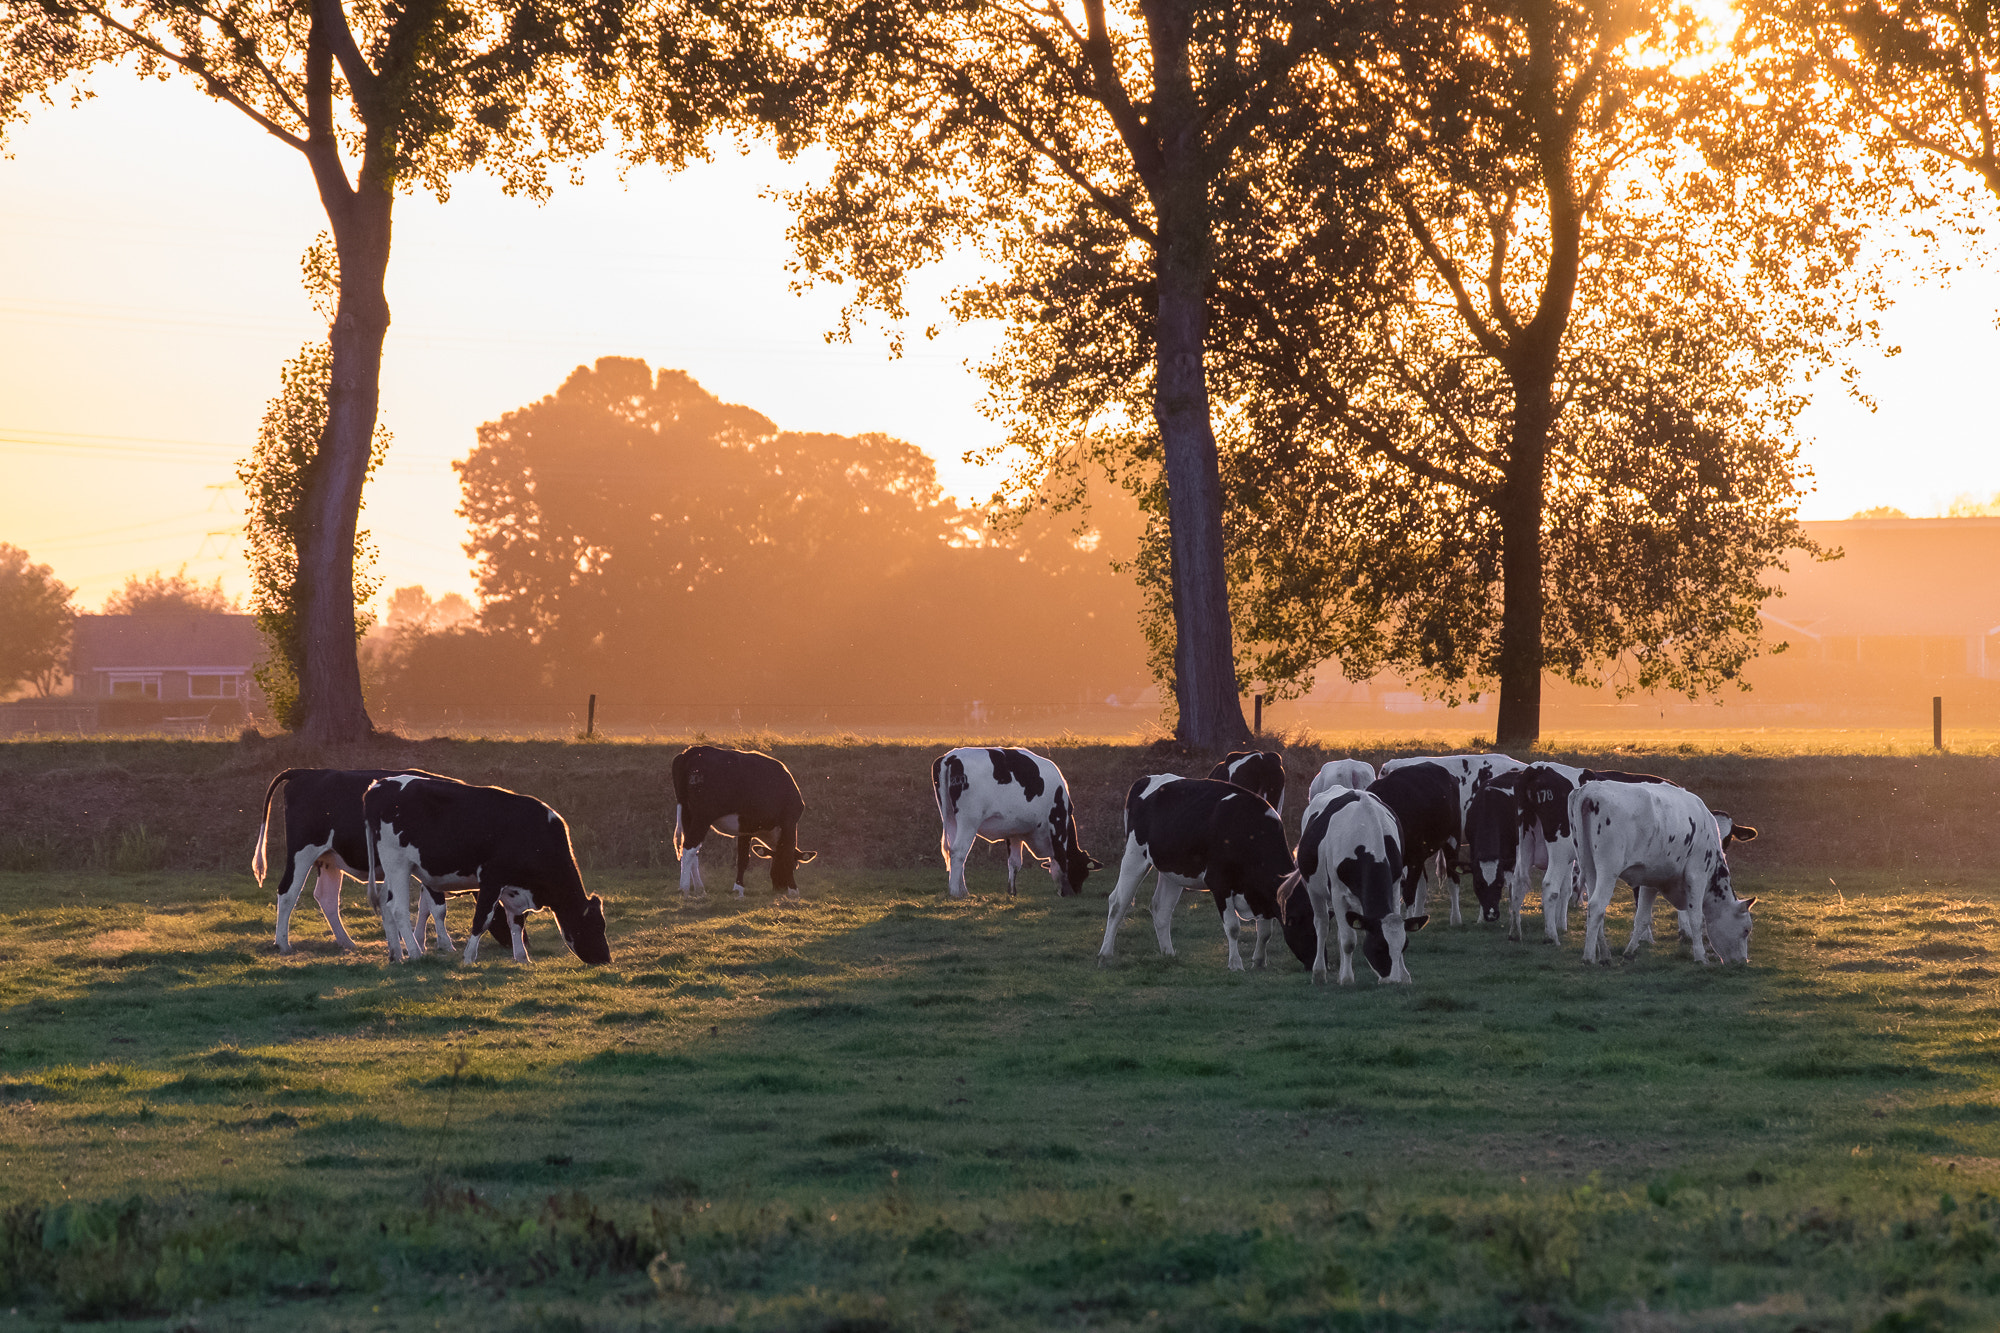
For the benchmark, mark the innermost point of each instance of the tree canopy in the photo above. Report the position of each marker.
(1508, 339)
(634, 534)
(1039, 132)
(35, 621)
(157, 592)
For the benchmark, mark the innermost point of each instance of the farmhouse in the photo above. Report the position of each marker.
(201, 658)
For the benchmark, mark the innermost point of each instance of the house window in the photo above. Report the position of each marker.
(135, 687)
(212, 687)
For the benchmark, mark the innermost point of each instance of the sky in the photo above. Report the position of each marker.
(149, 294)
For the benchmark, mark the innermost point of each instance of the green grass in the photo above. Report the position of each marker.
(873, 1109)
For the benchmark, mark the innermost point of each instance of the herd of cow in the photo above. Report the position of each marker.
(1372, 851)
(1372, 848)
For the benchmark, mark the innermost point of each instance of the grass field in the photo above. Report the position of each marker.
(874, 1109)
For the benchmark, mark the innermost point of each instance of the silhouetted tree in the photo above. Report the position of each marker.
(154, 593)
(1918, 75)
(1508, 350)
(35, 621)
(381, 98)
(645, 537)
(275, 489)
(1094, 129)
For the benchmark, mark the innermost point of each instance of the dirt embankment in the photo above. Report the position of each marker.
(192, 805)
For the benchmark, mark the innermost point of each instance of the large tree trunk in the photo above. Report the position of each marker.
(1520, 724)
(330, 676)
(1205, 687)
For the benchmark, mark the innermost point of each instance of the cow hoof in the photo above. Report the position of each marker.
(737, 889)
(285, 951)
(791, 893)
(1104, 960)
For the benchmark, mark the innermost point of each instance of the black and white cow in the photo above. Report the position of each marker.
(324, 838)
(1353, 773)
(1261, 771)
(1661, 839)
(1013, 796)
(514, 849)
(1425, 800)
(1546, 843)
(1492, 841)
(1200, 832)
(747, 795)
(1350, 872)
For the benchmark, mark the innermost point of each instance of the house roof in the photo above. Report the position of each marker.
(1896, 576)
(172, 641)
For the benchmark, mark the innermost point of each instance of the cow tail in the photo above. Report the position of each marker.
(947, 810)
(368, 829)
(259, 865)
(680, 799)
(1586, 856)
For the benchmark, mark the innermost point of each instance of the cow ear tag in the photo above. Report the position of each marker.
(1415, 923)
(1747, 903)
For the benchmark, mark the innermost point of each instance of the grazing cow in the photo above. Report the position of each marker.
(1350, 871)
(1261, 771)
(1546, 844)
(1203, 833)
(748, 795)
(1341, 773)
(1425, 800)
(1013, 796)
(513, 848)
(324, 838)
(1492, 841)
(1659, 838)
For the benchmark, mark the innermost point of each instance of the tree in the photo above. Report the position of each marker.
(276, 479)
(1509, 348)
(1918, 75)
(377, 99)
(35, 621)
(1020, 128)
(649, 541)
(157, 593)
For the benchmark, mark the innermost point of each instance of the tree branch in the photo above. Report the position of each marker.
(214, 86)
(1148, 158)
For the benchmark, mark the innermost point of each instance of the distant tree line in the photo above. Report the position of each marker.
(636, 537)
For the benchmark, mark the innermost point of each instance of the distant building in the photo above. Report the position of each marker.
(1915, 596)
(194, 657)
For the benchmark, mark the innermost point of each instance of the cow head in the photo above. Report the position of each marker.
(785, 858)
(1070, 865)
(1726, 921)
(1382, 942)
(584, 933)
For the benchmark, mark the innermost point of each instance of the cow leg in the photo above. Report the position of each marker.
(518, 927)
(1167, 891)
(1642, 919)
(1448, 874)
(1261, 958)
(436, 915)
(1131, 869)
(1346, 935)
(1232, 926)
(483, 908)
(1013, 863)
(691, 881)
(1319, 902)
(1605, 885)
(963, 839)
(327, 894)
(1398, 940)
(742, 862)
(1697, 908)
(1560, 880)
(299, 869)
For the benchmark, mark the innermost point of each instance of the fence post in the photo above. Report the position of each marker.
(1257, 713)
(590, 718)
(1937, 721)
